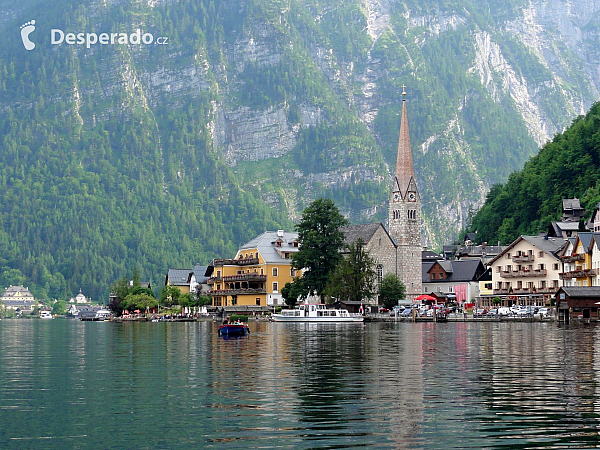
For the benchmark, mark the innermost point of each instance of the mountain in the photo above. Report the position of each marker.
(566, 167)
(154, 156)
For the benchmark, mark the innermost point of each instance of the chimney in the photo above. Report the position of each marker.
(280, 233)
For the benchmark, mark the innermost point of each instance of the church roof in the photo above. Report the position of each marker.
(364, 231)
(404, 162)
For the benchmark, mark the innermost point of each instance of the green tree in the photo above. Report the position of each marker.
(391, 290)
(59, 308)
(354, 277)
(320, 240)
(496, 301)
(139, 302)
(169, 295)
(292, 291)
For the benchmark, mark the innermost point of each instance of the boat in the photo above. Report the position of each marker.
(46, 315)
(316, 312)
(232, 329)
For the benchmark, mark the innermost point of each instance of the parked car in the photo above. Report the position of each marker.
(493, 312)
(407, 312)
(383, 310)
(480, 312)
(544, 311)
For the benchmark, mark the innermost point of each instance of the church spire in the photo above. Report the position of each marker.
(404, 163)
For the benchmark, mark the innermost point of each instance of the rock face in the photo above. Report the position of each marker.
(302, 99)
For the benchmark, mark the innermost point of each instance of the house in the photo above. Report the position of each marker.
(527, 271)
(179, 278)
(574, 302)
(198, 279)
(595, 252)
(568, 226)
(378, 243)
(255, 276)
(17, 298)
(594, 222)
(460, 278)
(484, 252)
(577, 261)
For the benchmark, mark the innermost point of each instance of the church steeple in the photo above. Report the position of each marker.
(404, 217)
(404, 163)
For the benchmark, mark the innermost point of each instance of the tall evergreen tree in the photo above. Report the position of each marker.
(354, 277)
(321, 241)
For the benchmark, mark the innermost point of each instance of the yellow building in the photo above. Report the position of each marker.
(577, 262)
(256, 275)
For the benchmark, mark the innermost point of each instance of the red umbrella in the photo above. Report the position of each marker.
(137, 311)
(426, 297)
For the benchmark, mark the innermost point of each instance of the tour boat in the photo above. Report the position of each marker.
(232, 329)
(316, 312)
(46, 315)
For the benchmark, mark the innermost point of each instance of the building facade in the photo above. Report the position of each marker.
(255, 276)
(378, 243)
(404, 214)
(17, 298)
(577, 261)
(528, 271)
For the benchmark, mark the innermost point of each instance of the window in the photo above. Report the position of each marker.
(380, 242)
(542, 266)
(257, 301)
(218, 287)
(292, 273)
(234, 300)
(509, 268)
(274, 271)
(543, 284)
(275, 287)
(487, 285)
(499, 269)
(261, 271)
(541, 254)
(218, 274)
(555, 266)
(217, 301)
(508, 256)
(498, 284)
(379, 273)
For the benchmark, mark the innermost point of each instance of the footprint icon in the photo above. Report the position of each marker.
(26, 30)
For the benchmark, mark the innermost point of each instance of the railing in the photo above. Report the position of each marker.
(237, 262)
(582, 273)
(523, 258)
(246, 277)
(524, 273)
(237, 291)
(501, 291)
(212, 280)
(526, 291)
(574, 258)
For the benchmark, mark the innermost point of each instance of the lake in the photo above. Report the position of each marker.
(71, 384)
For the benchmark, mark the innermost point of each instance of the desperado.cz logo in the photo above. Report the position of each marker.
(58, 36)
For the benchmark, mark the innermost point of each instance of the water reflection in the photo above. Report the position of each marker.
(168, 385)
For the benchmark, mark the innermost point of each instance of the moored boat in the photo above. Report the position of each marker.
(46, 315)
(316, 312)
(231, 329)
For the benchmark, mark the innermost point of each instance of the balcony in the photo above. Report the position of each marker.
(526, 291)
(581, 273)
(524, 273)
(523, 258)
(234, 262)
(245, 277)
(574, 258)
(212, 280)
(237, 291)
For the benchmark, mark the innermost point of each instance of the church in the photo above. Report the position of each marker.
(397, 249)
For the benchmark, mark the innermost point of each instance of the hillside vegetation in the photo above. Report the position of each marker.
(566, 167)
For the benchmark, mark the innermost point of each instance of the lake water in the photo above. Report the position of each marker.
(71, 384)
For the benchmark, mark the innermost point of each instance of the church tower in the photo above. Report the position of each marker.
(404, 217)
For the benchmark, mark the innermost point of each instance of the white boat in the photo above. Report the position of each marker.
(316, 312)
(46, 315)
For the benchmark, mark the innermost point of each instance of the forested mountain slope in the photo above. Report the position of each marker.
(567, 167)
(154, 156)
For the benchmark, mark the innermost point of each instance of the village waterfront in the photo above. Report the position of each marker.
(74, 384)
